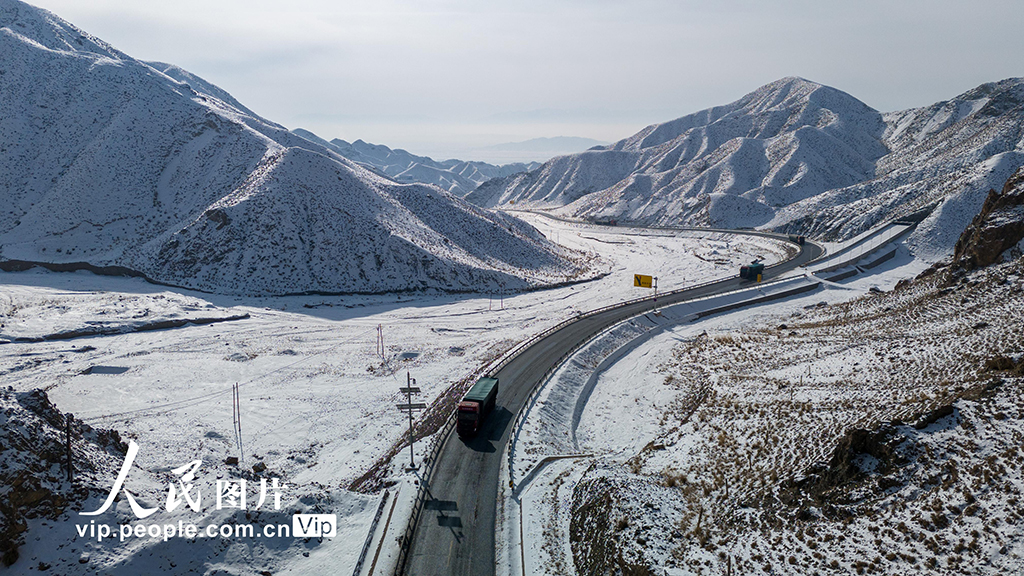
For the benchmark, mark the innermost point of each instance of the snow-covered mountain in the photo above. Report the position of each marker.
(792, 155)
(459, 177)
(109, 160)
(949, 155)
(727, 165)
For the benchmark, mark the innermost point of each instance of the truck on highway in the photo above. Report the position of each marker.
(475, 406)
(752, 271)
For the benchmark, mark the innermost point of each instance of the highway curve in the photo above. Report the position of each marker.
(455, 533)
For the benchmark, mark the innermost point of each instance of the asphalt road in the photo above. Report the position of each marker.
(455, 534)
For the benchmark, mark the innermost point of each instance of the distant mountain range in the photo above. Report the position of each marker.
(111, 161)
(459, 177)
(791, 156)
(556, 145)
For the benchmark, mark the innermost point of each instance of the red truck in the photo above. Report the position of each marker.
(475, 406)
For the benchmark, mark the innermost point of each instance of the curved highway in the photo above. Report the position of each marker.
(455, 533)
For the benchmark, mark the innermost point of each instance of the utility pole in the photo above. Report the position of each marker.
(236, 416)
(409, 407)
(380, 341)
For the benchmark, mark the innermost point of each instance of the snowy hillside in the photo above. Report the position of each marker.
(110, 161)
(317, 396)
(949, 154)
(39, 499)
(872, 426)
(200, 85)
(727, 166)
(881, 435)
(456, 176)
(795, 156)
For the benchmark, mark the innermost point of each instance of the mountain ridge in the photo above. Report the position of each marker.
(460, 177)
(110, 161)
(674, 167)
(792, 156)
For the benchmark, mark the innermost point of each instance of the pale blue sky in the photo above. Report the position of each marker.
(442, 77)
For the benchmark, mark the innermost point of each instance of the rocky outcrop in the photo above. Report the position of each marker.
(32, 457)
(997, 228)
(859, 455)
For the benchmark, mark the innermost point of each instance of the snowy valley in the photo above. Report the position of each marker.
(194, 298)
(870, 427)
(317, 400)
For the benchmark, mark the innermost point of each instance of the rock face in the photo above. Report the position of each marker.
(32, 456)
(999, 227)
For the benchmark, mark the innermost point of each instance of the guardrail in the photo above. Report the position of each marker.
(439, 438)
(843, 263)
(532, 399)
(910, 221)
(537, 387)
(427, 469)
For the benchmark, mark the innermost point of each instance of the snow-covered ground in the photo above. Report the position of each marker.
(725, 444)
(612, 376)
(37, 313)
(317, 403)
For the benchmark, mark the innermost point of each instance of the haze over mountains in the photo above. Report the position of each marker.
(557, 144)
(109, 160)
(793, 156)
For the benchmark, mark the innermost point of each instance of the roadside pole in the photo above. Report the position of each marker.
(645, 281)
(409, 407)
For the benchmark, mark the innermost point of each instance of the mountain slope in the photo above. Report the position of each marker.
(459, 177)
(106, 160)
(200, 85)
(948, 155)
(727, 166)
(794, 156)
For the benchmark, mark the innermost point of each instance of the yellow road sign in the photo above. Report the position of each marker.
(643, 281)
